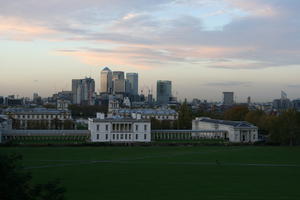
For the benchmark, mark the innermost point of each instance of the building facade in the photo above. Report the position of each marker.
(133, 80)
(5, 124)
(233, 131)
(119, 129)
(40, 118)
(228, 98)
(106, 81)
(83, 91)
(159, 114)
(119, 83)
(163, 92)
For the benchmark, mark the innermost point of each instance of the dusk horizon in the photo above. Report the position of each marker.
(205, 47)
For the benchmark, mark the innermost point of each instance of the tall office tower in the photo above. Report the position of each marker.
(133, 79)
(106, 81)
(118, 75)
(118, 82)
(37, 99)
(249, 100)
(1, 100)
(35, 96)
(163, 92)
(228, 99)
(83, 91)
(283, 95)
(283, 103)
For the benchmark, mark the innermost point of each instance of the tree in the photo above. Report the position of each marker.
(236, 113)
(255, 117)
(79, 111)
(155, 124)
(184, 117)
(285, 129)
(15, 182)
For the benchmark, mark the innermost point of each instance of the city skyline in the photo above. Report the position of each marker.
(204, 47)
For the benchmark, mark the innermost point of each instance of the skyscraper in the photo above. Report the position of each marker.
(83, 91)
(163, 92)
(106, 81)
(118, 82)
(283, 103)
(133, 80)
(228, 99)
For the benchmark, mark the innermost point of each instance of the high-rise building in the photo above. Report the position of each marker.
(249, 100)
(118, 82)
(228, 98)
(163, 92)
(83, 91)
(133, 80)
(283, 103)
(296, 104)
(106, 81)
(1, 100)
(37, 99)
(118, 75)
(283, 95)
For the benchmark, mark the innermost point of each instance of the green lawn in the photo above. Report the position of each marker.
(242, 172)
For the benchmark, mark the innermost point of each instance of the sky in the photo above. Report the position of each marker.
(205, 47)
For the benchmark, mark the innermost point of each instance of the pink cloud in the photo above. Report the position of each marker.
(148, 57)
(18, 29)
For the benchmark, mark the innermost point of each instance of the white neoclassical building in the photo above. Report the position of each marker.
(25, 117)
(5, 124)
(234, 131)
(119, 129)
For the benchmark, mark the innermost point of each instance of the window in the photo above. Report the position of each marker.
(97, 136)
(117, 136)
(106, 127)
(145, 136)
(136, 127)
(122, 136)
(98, 127)
(129, 136)
(254, 137)
(136, 136)
(125, 136)
(113, 136)
(106, 136)
(145, 127)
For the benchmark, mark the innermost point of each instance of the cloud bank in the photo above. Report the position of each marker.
(257, 34)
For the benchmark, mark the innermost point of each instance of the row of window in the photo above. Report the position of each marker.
(169, 117)
(122, 127)
(121, 136)
(98, 127)
(42, 116)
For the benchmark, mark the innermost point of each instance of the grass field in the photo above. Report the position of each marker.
(242, 172)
